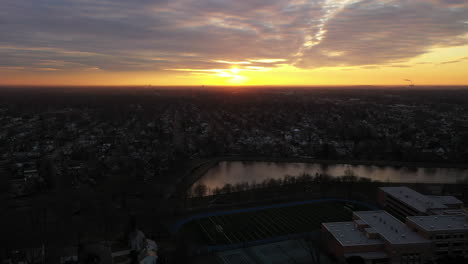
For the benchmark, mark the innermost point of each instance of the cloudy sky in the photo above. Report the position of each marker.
(221, 42)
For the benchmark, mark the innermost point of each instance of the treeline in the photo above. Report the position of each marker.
(200, 190)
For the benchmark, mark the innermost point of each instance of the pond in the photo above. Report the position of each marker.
(234, 172)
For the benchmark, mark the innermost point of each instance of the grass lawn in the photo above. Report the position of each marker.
(261, 224)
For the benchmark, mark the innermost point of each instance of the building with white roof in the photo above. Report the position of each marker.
(388, 228)
(403, 201)
(448, 233)
(447, 200)
(379, 237)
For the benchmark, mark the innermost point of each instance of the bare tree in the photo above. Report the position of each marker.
(200, 190)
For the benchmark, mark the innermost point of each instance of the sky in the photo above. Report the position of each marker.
(237, 42)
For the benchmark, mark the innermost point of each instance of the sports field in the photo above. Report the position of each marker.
(273, 222)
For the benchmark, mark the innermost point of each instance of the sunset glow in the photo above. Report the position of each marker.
(218, 42)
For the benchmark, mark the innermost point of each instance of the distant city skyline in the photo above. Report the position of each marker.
(220, 42)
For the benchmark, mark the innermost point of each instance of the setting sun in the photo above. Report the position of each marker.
(235, 70)
(327, 42)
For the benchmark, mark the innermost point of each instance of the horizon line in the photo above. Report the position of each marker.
(417, 86)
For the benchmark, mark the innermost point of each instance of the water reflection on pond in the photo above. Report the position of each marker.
(234, 172)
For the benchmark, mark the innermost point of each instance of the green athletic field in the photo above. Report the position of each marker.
(257, 225)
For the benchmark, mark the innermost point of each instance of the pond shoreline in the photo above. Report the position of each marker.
(198, 173)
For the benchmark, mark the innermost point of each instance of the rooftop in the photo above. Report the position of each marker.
(447, 200)
(413, 199)
(348, 235)
(389, 228)
(441, 222)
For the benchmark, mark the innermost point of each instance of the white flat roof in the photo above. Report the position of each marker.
(441, 222)
(445, 199)
(413, 199)
(390, 228)
(347, 235)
